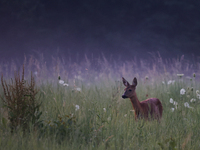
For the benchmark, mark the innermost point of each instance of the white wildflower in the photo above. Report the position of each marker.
(109, 118)
(197, 91)
(198, 96)
(77, 107)
(171, 82)
(61, 81)
(175, 104)
(186, 104)
(78, 89)
(182, 91)
(104, 109)
(65, 84)
(172, 109)
(163, 82)
(125, 115)
(192, 100)
(180, 75)
(171, 100)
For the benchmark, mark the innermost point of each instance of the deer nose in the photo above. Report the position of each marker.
(124, 96)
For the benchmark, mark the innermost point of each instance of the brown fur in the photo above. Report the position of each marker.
(148, 109)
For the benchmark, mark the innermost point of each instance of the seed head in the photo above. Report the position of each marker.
(194, 75)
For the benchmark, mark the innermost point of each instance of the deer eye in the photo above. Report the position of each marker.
(130, 90)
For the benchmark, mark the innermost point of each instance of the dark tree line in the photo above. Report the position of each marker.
(101, 24)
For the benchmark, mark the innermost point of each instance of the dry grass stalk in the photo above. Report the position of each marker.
(187, 139)
(20, 101)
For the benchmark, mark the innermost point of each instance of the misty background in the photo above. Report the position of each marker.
(120, 29)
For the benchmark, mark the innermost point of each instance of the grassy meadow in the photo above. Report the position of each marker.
(81, 105)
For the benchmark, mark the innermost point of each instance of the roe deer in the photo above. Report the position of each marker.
(143, 109)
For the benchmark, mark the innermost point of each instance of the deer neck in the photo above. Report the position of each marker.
(135, 103)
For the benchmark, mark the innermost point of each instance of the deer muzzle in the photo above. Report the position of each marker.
(124, 96)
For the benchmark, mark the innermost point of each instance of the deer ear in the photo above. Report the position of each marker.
(134, 82)
(125, 82)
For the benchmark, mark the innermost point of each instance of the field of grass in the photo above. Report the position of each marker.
(87, 111)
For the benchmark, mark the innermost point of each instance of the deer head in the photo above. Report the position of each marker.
(130, 89)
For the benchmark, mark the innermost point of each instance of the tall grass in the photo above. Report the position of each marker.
(89, 113)
(20, 102)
